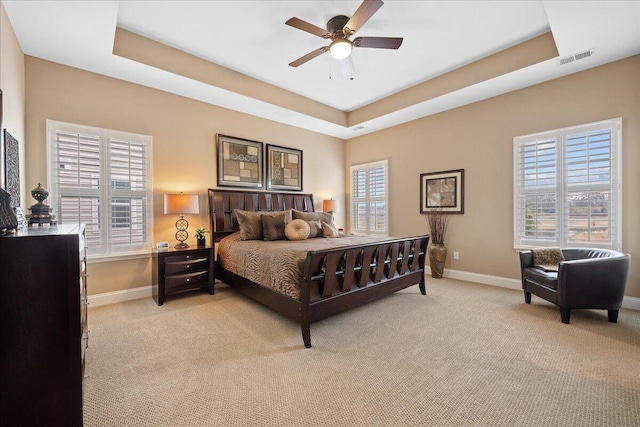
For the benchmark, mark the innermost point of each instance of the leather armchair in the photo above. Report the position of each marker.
(587, 279)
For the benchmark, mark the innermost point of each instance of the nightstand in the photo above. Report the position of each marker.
(178, 270)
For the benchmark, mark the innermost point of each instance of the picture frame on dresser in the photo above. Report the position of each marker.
(284, 168)
(11, 152)
(1, 151)
(239, 162)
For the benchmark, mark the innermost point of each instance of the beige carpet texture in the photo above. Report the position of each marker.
(463, 355)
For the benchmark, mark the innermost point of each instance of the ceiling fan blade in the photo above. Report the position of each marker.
(309, 56)
(378, 42)
(362, 15)
(309, 28)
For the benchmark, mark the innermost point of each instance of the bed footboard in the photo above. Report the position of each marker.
(336, 280)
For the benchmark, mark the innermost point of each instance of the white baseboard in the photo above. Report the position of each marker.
(119, 296)
(501, 282)
(97, 300)
(631, 303)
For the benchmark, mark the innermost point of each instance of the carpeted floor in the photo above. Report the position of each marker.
(464, 355)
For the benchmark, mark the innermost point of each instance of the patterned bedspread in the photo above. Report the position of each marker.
(278, 264)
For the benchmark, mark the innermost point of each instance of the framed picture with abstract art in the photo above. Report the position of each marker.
(284, 168)
(239, 162)
(12, 168)
(442, 191)
(1, 151)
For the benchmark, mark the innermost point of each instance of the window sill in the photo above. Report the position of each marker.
(118, 257)
(369, 233)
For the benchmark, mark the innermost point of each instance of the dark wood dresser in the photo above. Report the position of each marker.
(178, 270)
(43, 326)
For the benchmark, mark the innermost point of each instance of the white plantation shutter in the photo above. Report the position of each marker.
(592, 207)
(358, 200)
(567, 187)
(102, 178)
(369, 208)
(75, 185)
(128, 180)
(536, 202)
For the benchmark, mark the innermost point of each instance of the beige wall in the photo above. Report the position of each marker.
(476, 137)
(479, 139)
(183, 132)
(12, 85)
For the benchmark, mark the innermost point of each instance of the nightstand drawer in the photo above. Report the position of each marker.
(188, 266)
(186, 279)
(185, 256)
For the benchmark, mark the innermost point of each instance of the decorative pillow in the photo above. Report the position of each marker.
(297, 229)
(547, 259)
(329, 230)
(273, 226)
(287, 215)
(250, 222)
(315, 228)
(313, 216)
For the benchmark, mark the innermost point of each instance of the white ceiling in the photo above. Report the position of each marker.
(250, 37)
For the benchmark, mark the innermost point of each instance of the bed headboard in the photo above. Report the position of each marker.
(222, 203)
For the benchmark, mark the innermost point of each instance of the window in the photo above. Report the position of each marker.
(102, 178)
(567, 187)
(369, 212)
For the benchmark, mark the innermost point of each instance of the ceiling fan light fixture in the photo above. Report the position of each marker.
(339, 29)
(340, 48)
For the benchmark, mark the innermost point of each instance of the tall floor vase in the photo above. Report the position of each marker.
(437, 257)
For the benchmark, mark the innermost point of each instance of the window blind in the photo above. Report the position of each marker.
(102, 178)
(128, 179)
(536, 206)
(369, 212)
(567, 186)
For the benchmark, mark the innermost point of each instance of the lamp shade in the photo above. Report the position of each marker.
(181, 204)
(340, 48)
(330, 206)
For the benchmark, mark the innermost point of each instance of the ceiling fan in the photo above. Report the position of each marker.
(340, 28)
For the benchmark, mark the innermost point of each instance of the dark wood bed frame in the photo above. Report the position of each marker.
(334, 280)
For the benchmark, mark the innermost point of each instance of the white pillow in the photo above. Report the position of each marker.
(329, 230)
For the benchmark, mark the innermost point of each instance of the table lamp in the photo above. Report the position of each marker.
(181, 204)
(330, 206)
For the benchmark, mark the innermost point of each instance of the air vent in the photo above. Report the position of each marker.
(357, 128)
(566, 60)
(576, 57)
(583, 55)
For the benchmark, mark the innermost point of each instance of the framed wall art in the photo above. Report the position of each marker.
(442, 191)
(1, 150)
(12, 168)
(284, 168)
(239, 162)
